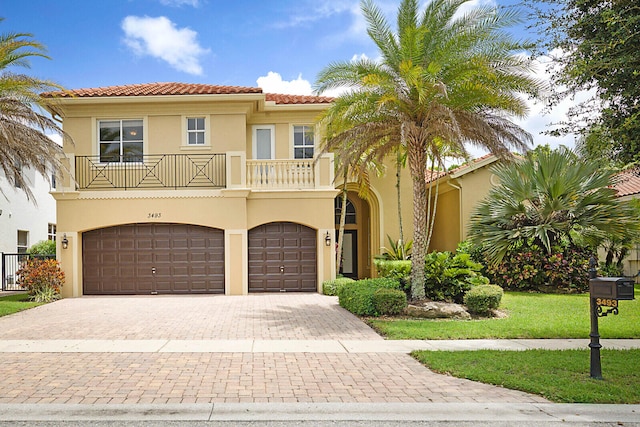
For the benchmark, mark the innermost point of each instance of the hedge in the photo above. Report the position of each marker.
(481, 299)
(331, 287)
(357, 297)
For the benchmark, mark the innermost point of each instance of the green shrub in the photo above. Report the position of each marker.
(398, 250)
(331, 287)
(611, 270)
(531, 268)
(357, 297)
(395, 269)
(481, 299)
(43, 247)
(449, 276)
(389, 301)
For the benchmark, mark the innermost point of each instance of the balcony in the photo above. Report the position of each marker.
(203, 171)
(151, 171)
(280, 174)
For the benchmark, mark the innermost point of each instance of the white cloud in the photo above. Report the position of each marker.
(273, 83)
(179, 3)
(314, 10)
(159, 38)
(55, 137)
(357, 57)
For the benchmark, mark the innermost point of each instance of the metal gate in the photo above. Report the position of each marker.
(11, 264)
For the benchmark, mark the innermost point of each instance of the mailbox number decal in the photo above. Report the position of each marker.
(607, 302)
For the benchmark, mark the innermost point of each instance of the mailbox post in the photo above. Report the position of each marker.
(604, 292)
(595, 366)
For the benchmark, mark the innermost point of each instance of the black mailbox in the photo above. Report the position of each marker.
(615, 288)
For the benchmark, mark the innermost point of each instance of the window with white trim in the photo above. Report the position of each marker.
(303, 142)
(195, 130)
(23, 241)
(264, 142)
(51, 232)
(120, 140)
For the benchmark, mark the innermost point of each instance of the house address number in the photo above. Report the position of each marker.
(154, 215)
(607, 302)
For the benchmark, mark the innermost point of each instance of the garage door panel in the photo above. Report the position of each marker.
(187, 259)
(198, 257)
(277, 252)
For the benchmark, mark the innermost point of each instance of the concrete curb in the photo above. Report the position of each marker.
(456, 412)
(297, 346)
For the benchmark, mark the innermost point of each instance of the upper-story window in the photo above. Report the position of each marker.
(195, 130)
(303, 142)
(121, 140)
(264, 142)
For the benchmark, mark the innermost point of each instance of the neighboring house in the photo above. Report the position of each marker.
(628, 186)
(24, 222)
(191, 188)
(460, 190)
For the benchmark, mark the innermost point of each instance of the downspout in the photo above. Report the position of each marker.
(461, 224)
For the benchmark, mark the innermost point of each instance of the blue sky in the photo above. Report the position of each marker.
(279, 45)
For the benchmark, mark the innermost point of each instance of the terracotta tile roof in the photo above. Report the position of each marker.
(298, 99)
(151, 89)
(627, 183)
(432, 176)
(158, 89)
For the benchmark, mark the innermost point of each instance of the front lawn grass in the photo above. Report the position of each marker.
(559, 376)
(530, 315)
(13, 303)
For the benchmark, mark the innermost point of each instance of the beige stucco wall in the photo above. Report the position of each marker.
(385, 191)
(446, 232)
(475, 187)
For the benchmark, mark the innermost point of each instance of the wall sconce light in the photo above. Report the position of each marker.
(65, 242)
(327, 239)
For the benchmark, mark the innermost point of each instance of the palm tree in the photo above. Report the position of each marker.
(445, 79)
(24, 142)
(550, 199)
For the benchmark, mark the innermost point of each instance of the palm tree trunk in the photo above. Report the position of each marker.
(398, 172)
(429, 198)
(343, 217)
(434, 205)
(417, 158)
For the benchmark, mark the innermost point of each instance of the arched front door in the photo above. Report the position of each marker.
(356, 243)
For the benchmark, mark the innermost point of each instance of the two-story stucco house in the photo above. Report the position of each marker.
(191, 188)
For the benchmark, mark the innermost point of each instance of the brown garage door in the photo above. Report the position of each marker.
(153, 258)
(282, 257)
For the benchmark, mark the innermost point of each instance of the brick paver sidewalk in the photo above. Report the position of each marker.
(154, 377)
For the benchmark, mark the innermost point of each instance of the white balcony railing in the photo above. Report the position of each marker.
(280, 174)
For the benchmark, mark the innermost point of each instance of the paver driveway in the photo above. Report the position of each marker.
(139, 366)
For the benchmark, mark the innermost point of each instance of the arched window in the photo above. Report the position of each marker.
(350, 213)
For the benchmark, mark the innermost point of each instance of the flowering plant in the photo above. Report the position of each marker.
(42, 278)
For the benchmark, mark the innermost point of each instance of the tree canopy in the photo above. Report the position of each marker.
(595, 43)
(24, 126)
